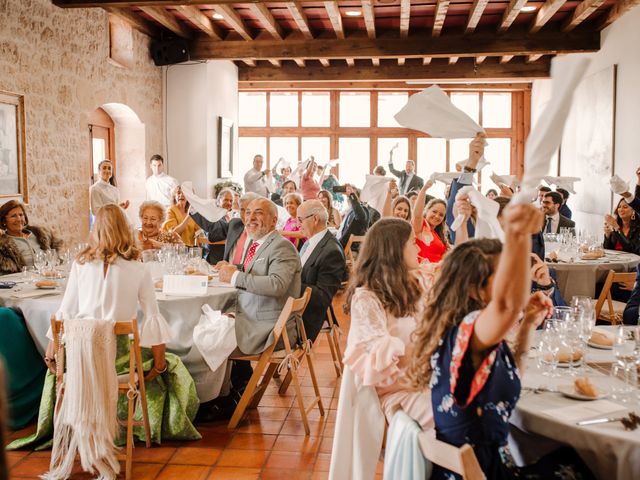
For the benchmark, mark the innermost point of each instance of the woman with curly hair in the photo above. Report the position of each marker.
(461, 355)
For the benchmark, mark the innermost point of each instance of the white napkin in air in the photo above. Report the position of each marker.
(444, 177)
(546, 135)
(296, 175)
(432, 112)
(375, 191)
(205, 207)
(481, 164)
(509, 180)
(563, 182)
(618, 185)
(487, 224)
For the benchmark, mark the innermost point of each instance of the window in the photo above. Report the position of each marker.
(468, 102)
(458, 151)
(252, 109)
(496, 110)
(316, 109)
(283, 110)
(319, 147)
(285, 147)
(400, 154)
(353, 154)
(432, 157)
(355, 109)
(388, 105)
(248, 147)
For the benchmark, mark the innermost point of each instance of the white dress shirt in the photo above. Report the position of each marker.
(255, 181)
(407, 182)
(247, 245)
(159, 188)
(102, 193)
(312, 244)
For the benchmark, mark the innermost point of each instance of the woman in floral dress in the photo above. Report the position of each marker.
(461, 353)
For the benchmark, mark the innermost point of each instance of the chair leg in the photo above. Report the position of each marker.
(300, 399)
(243, 404)
(286, 381)
(314, 381)
(336, 341)
(129, 458)
(334, 354)
(143, 399)
(266, 378)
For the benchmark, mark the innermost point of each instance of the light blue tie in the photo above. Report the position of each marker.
(304, 248)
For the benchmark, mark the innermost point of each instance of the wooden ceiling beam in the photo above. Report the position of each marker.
(533, 58)
(201, 21)
(152, 3)
(405, 17)
(136, 21)
(510, 14)
(369, 18)
(480, 59)
(477, 9)
(506, 58)
(617, 10)
(324, 62)
(233, 19)
(581, 13)
(269, 23)
(479, 44)
(453, 60)
(334, 16)
(439, 16)
(300, 62)
(295, 8)
(513, 86)
(168, 20)
(436, 71)
(545, 13)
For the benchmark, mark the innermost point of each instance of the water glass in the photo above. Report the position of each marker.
(624, 349)
(39, 261)
(549, 346)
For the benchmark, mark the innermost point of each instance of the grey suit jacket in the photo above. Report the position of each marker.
(268, 281)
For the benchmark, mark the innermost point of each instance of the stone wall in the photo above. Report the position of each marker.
(59, 60)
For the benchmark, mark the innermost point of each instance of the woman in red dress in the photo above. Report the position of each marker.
(429, 227)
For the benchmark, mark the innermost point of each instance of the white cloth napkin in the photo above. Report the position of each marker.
(375, 190)
(509, 180)
(618, 185)
(563, 182)
(205, 207)
(296, 175)
(487, 224)
(546, 135)
(432, 112)
(444, 177)
(481, 164)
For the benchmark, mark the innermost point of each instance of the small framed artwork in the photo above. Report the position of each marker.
(225, 148)
(13, 159)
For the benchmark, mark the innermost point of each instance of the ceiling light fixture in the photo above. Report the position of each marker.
(530, 8)
(353, 13)
(217, 16)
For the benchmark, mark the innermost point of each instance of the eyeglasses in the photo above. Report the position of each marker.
(304, 218)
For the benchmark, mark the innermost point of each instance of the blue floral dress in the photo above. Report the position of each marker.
(474, 406)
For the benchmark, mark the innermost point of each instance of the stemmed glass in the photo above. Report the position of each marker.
(624, 350)
(550, 347)
(39, 262)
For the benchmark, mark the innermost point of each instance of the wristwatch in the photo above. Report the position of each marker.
(470, 169)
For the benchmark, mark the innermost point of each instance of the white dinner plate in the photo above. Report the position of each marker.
(569, 391)
(600, 347)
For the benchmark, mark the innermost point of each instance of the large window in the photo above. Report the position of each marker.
(359, 128)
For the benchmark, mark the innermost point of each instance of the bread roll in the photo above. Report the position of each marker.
(584, 387)
(46, 284)
(600, 338)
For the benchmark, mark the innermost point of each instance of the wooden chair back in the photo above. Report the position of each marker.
(461, 460)
(605, 296)
(348, 252)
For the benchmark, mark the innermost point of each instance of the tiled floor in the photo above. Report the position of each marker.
(269, 443)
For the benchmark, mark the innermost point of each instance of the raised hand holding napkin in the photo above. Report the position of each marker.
(205, 207)
(618, 185)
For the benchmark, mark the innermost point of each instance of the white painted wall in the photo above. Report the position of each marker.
(619, 46)
(196, 95)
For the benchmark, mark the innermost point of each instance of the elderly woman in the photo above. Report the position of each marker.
(178, 219)
(149, 236)
(104, 190)
(334, 218)
(20, 242)
(291, 229)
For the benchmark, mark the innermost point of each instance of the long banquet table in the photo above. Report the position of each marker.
(182, 314)
(609, 450)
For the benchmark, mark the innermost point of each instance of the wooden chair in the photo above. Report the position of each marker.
(330, 329)
(131, 384)
(269, 360)
(615, 308)
(348, 252)
(461, 460)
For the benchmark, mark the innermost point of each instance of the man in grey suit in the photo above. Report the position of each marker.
(268, 275)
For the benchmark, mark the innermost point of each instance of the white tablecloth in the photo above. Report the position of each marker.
(182, 314)
(580, 277)
(610, 451)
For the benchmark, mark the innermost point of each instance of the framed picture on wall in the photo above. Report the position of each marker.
(225, 148)
(13, 163)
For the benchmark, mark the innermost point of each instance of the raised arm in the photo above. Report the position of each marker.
(462, 207)
(418, 209)
(386, 209)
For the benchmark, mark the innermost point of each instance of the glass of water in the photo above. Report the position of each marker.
(624, 351)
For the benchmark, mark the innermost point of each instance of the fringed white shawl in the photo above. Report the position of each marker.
(86, 423)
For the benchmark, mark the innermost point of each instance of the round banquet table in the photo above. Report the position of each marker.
(608, 449)
(581, 276)
(182, 315)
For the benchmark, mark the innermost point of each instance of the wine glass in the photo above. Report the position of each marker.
(550, 347)
(39, 261)
(624, 351)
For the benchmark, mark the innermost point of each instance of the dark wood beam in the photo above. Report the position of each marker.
(136, 21)
(479, 44)
(384, 85)
(233, 19)
(269, 23)
(201, 21)
(477, 9)
(510, 14)
(480, 59)
(168, 20)
(436, 71)
(617, 10)
(153, 3)
(506, 58)
(581, 13)
(545, 13)
(438, 19)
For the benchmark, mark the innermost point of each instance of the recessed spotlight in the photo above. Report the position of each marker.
(530, 8)
(353, 13)
(217, 16)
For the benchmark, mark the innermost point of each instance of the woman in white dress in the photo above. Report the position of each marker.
(103, 191)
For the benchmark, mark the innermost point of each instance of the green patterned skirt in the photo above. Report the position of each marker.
(171, 400)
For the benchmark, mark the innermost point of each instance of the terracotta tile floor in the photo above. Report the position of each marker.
(269, 443)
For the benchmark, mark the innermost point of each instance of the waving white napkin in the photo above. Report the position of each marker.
(509, 180)
(618, 185)
(432, 112)
(445, 177)
(296, 175)
(546, 135)
(481, 164)
(375, 190)
(487, 224)
(205, 207)
(563, 182)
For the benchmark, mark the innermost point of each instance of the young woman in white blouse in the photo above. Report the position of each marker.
(103, 191)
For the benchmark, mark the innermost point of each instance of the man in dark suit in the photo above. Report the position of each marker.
(554, 221)
(216, 231)
(323, 264)
(356, 221)
(409, 181)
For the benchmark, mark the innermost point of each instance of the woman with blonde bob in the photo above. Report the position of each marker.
(460, 351)
(107, 282)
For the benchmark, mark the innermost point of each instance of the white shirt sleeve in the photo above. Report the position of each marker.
(154, 329)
